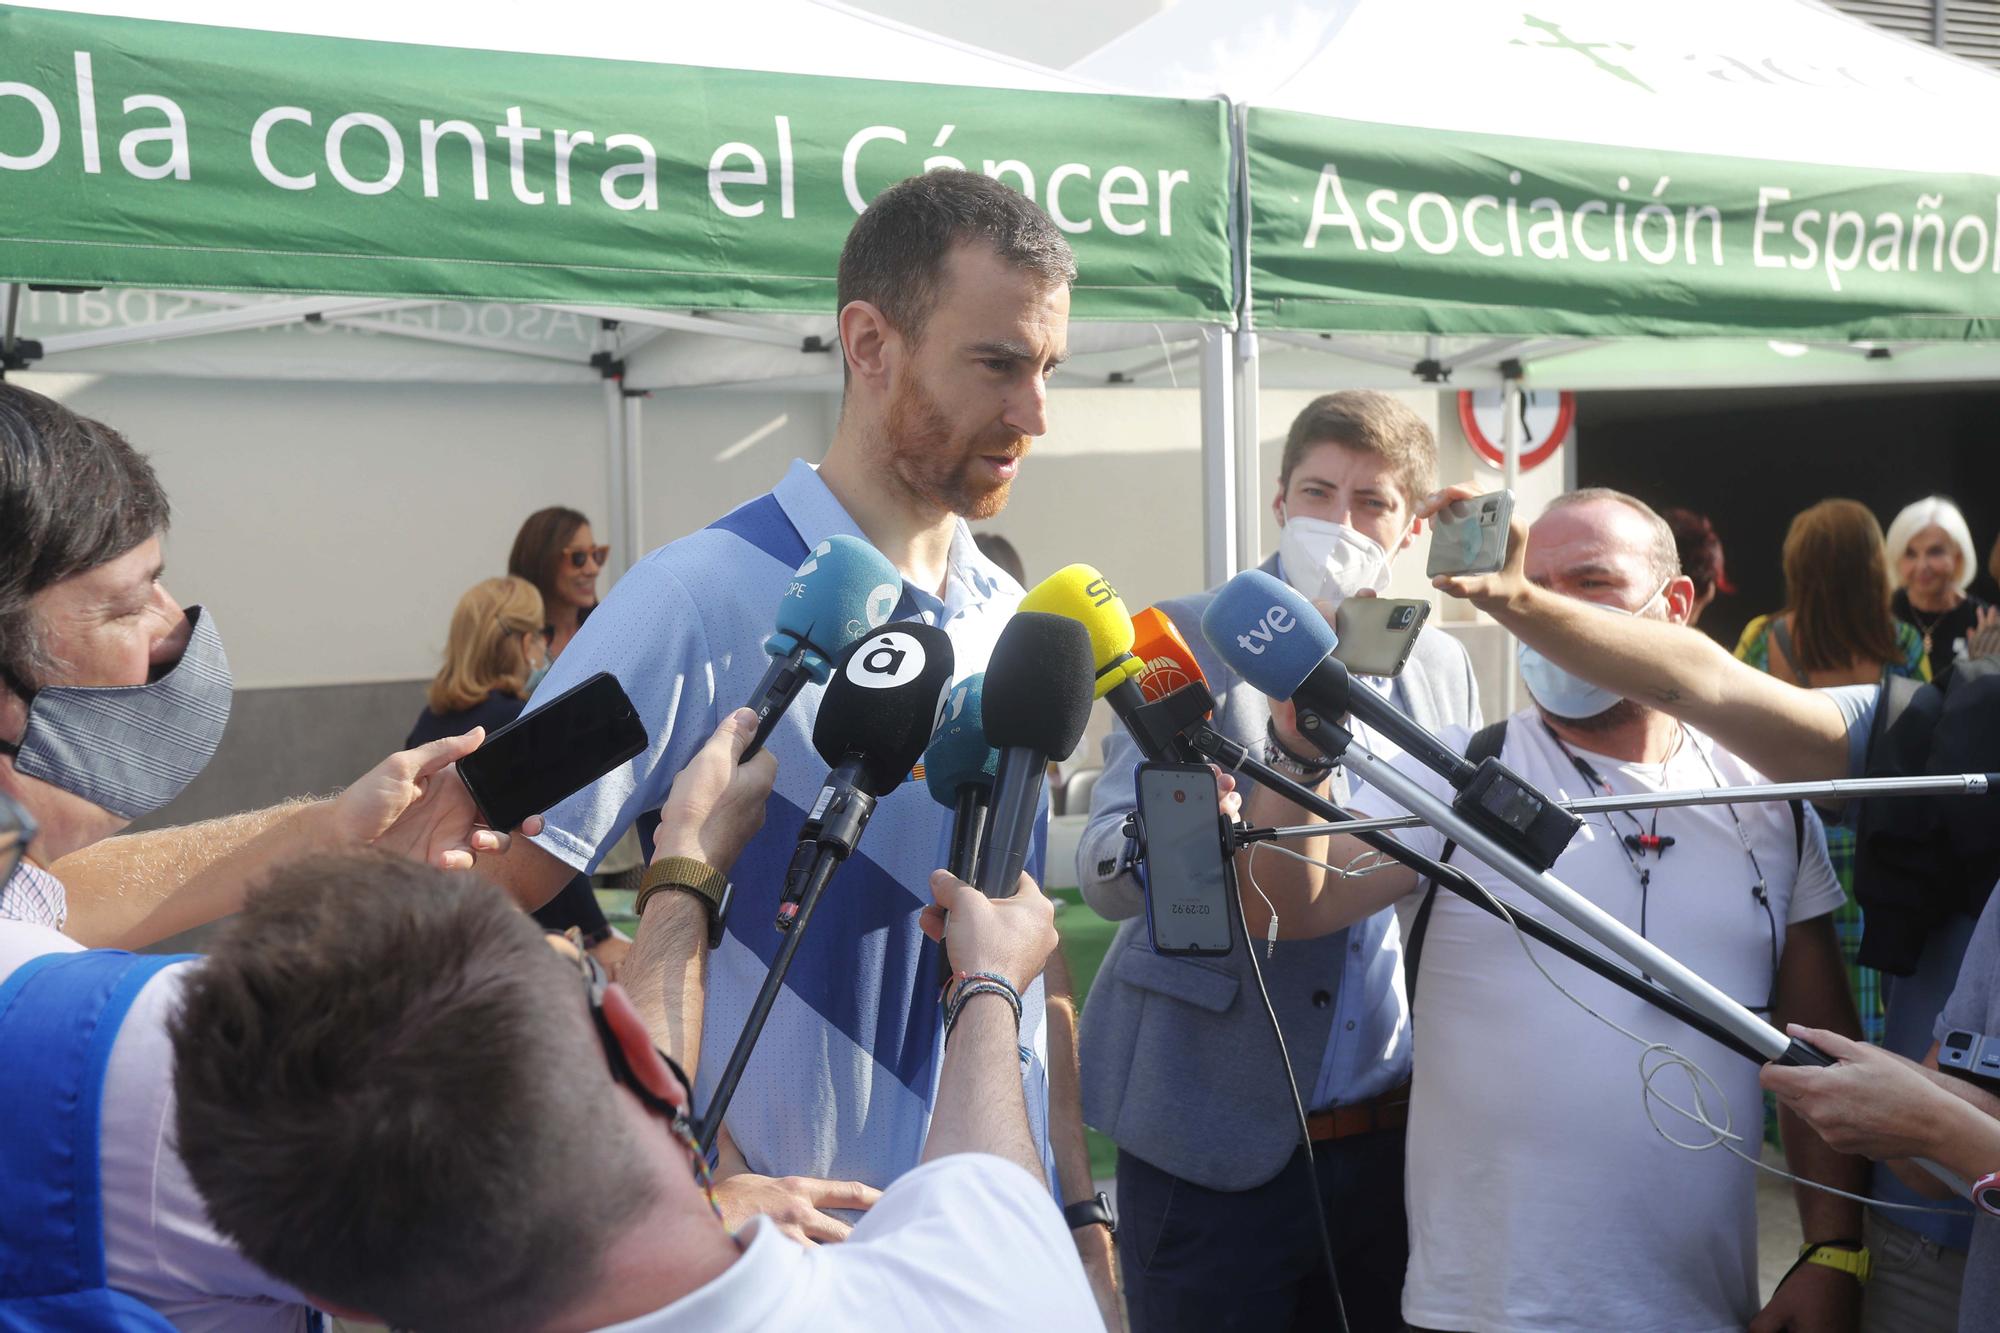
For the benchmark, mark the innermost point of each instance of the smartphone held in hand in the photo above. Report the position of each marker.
(1470, 536)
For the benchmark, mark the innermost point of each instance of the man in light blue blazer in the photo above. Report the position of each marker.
(1179, 1067)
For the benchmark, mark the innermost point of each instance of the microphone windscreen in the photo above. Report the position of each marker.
(1169, 662)
(882, 702)
(1083, 594)
(844, 589)
(1038, 691)
(1267, 633)
(959, 755)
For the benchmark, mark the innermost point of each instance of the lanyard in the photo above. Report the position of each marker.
(1636, 844)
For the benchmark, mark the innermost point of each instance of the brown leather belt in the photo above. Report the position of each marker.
(1391, 1110)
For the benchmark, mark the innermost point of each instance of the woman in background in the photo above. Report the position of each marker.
(556, 551)
(1935, 563)
(1837, 629)
(1701, 557)
(495, 654)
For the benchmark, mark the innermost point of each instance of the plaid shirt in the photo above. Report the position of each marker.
(33, 894)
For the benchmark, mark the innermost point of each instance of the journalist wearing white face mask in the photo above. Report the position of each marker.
(1343, 518)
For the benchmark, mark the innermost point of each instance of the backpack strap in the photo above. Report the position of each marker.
(1485, 744)
(1781, 631)
(59, 1016)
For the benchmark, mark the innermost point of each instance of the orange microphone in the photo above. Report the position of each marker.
(1169, 662)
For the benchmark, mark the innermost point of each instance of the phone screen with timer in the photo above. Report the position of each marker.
(1188, 873)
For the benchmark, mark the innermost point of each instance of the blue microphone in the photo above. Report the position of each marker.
(844, 589)
(1278, 642)
(959, 768)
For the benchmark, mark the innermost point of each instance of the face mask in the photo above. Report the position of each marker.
(1564, 694)
(1330, 562)
(535, 677)
(129, 749)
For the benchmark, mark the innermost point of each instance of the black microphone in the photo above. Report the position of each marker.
(872, 726)
(1038, 690)
(959, 768)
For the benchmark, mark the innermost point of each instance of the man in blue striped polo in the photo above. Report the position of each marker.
(954, 308)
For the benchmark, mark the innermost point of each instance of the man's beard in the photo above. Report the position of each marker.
(1621, 714)
(933, 467)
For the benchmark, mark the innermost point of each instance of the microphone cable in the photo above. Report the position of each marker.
(1655, 1057)
(1298, 1109)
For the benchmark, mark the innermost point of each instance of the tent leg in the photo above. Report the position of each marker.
(635, 523)
(1218, 457)
(1510, 443)
(1249, 453)
(614, 474)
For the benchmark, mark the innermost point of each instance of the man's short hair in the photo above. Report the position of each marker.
(391, 1096)
(1368, 422)
(895, 255)
(1662, 555)
(73, 495)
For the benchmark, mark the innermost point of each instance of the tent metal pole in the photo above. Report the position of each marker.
(1218, 457)
(634, 497)
(1249, 452)
(10, 325)
(604, 343)
(1510, 443)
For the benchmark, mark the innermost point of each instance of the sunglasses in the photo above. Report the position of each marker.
(579, 556)
(595, 982)
(17, 830)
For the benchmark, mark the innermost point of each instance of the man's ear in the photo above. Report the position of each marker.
(866, 340)
(1416, 526)
(640, 1053)
(1679, 598)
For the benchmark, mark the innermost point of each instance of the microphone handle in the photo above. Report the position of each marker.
(1157, 740)
(1017, 798)
(968, 830)
(774, 694)
(1328, 692)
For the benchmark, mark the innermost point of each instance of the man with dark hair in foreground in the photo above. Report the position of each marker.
(394, 1095)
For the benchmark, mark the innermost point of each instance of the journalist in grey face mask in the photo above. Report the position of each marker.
(130, 749)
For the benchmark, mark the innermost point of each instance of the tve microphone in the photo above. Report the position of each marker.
(1036, 700)
(872, 727)
(959, 768)
(1275, 639)
(844, 589)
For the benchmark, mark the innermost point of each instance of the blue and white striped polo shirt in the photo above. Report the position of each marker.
(845, 1072)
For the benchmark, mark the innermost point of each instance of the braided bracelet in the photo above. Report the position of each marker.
(980, 987)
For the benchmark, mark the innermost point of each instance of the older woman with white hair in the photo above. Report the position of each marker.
(1931, 550)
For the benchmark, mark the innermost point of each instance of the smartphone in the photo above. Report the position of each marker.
(1189, 877)
(1470, 536)
(1377, 634)
(555, 751)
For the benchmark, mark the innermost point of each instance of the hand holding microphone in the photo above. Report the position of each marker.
(1011, 936)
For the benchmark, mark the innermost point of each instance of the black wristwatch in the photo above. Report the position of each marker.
(1090, 1212)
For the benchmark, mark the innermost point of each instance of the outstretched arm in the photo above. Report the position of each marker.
(1787, 733)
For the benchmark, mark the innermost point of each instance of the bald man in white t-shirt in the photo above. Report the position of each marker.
(1540, 1197)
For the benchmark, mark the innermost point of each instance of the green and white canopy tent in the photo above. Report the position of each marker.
(598, 190)
(1592, 193)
